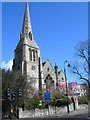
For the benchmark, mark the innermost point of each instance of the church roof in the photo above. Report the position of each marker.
(27, 41)
(26, 30)
(60, 71)
(47, 61)
(43, 63)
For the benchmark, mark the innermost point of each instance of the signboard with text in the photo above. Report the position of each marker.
(47, 96)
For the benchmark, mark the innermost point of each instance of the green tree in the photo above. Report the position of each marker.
(15, 80)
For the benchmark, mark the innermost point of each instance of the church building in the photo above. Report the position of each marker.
(27, 59)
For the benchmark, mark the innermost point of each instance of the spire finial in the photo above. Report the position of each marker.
(55, 64)
(26, 1)
(27, 4)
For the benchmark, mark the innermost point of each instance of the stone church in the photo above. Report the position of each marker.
(27, 59)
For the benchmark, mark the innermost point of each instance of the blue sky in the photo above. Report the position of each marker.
(57, 29)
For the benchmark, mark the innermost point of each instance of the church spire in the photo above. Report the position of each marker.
(26, 29)
(26, 36)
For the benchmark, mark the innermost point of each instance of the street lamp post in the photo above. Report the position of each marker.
(66, 86)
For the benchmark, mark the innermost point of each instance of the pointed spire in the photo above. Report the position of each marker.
(26, 22)
(47, 59)
(56, 67)
(55, 64)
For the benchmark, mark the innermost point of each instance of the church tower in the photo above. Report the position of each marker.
(27, 53)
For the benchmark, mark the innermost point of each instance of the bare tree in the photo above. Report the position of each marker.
(81, 68)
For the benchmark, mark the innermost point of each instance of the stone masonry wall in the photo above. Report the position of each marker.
(44, 112)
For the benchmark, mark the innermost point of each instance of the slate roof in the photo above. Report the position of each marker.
(43, 63)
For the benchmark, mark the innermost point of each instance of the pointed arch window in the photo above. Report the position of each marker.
(36, 54)
(33, 55)
(24, 67)
(30, 54)
(30, 35)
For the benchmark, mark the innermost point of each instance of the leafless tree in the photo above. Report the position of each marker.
(81, 68)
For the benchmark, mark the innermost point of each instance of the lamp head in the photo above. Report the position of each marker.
(69, 65)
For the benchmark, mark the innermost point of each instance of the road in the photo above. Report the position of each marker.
(78, 114)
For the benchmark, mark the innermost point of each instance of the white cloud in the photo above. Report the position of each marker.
(7, 65)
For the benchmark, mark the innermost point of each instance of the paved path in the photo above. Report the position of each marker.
(76, 115)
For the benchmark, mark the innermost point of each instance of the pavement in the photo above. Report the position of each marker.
(78, 114)
(75, 115)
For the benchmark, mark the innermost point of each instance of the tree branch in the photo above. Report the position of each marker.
(85, 69)
(82, 55)
(76, 71)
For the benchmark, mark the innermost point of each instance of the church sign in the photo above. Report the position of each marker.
(47, 96)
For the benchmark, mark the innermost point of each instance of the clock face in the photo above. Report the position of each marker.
(33, 67)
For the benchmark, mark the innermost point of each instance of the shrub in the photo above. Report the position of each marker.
(32, 103)
(59, 99)
(83, 100)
